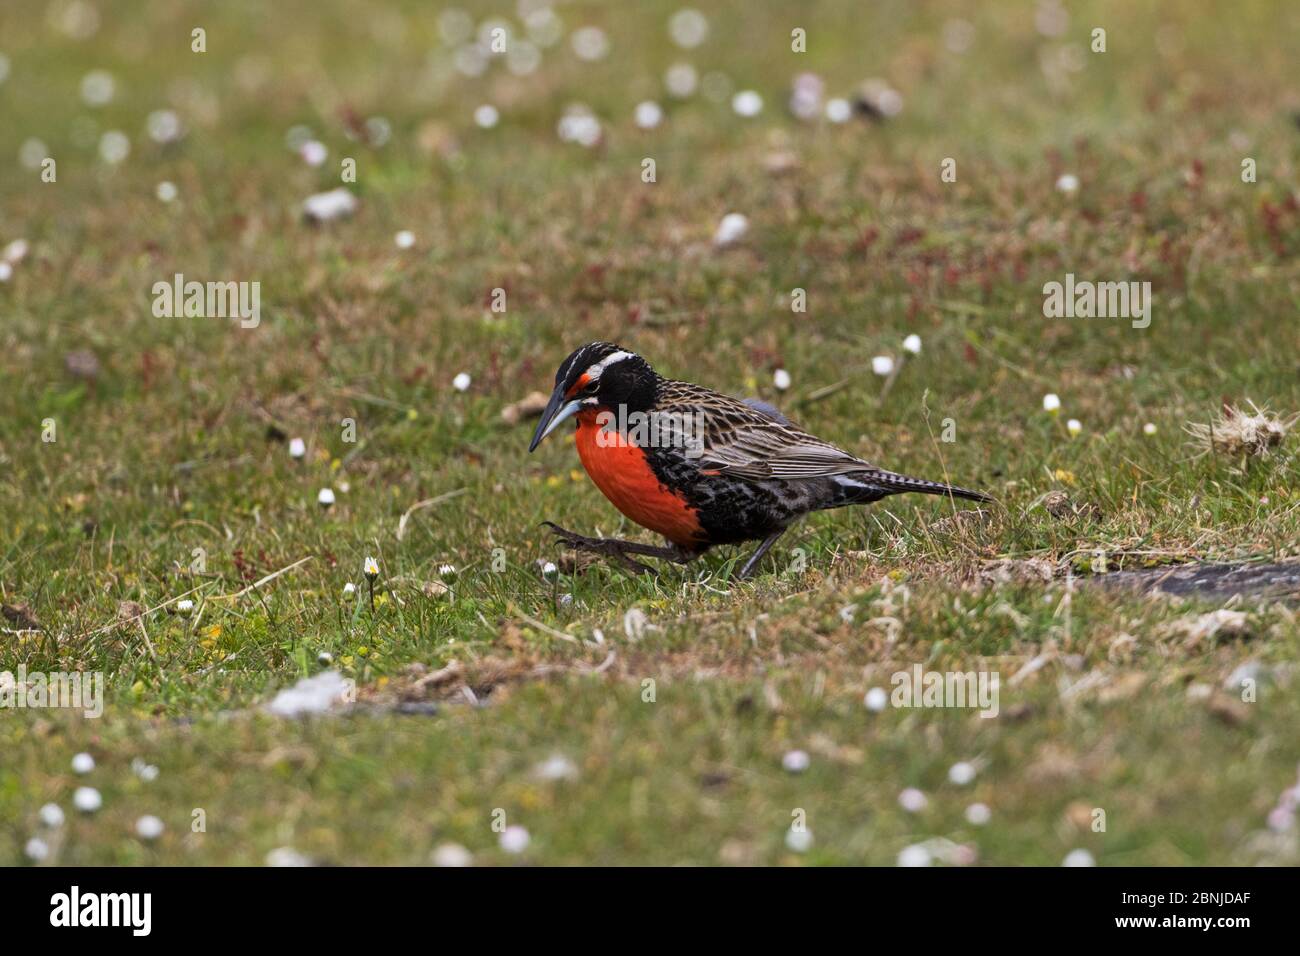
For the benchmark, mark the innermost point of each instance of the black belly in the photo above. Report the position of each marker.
(732, 509)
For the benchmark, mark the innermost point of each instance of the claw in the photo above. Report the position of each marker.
(609, 547)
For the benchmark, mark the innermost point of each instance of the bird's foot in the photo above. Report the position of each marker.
(618, 549)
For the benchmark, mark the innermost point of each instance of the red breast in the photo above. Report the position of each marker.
(621, 471)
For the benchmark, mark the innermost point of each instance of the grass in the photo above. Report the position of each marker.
(170, 475)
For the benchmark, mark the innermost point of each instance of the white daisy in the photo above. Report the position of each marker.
(1067, 183)
(97, 88)
(912, 800)
(313, 152)
(648, 114)
(87, 799)
(795, 761)
(83, 763)
(114, 146)
(915, 855)
(681, 80)
(515, 839)
(688, 28)
(590, 43)
(731, 229)
(453, 855)
(747, 103)
(961, 773)
(799, 841)
(839, 110)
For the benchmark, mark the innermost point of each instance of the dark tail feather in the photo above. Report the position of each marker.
(893, 483)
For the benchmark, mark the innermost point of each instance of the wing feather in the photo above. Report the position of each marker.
(743, 441)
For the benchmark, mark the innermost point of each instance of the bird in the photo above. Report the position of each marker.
(698, 467)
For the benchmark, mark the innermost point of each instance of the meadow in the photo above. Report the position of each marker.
(161, 476)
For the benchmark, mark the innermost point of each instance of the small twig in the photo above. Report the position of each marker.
(824, 392)
(147, 643)
(420, 505)
(543, 627)
(257, 584)
(372, 399)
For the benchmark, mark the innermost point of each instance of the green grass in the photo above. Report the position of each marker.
(179, 443)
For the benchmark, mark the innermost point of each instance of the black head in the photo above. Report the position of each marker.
(598, 376)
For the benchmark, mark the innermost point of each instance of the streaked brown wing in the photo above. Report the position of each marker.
(740, 440)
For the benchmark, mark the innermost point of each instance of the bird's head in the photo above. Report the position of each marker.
(599, 376)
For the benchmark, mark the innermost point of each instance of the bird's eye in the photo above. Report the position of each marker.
(592, 388)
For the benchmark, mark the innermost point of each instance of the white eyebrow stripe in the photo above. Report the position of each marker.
(594, 371)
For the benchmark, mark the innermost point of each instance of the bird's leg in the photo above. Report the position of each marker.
(620, 549)
(757, 556)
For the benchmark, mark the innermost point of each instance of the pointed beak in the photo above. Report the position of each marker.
(557, 410)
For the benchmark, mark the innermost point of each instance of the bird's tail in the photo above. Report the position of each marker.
(875, 485)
